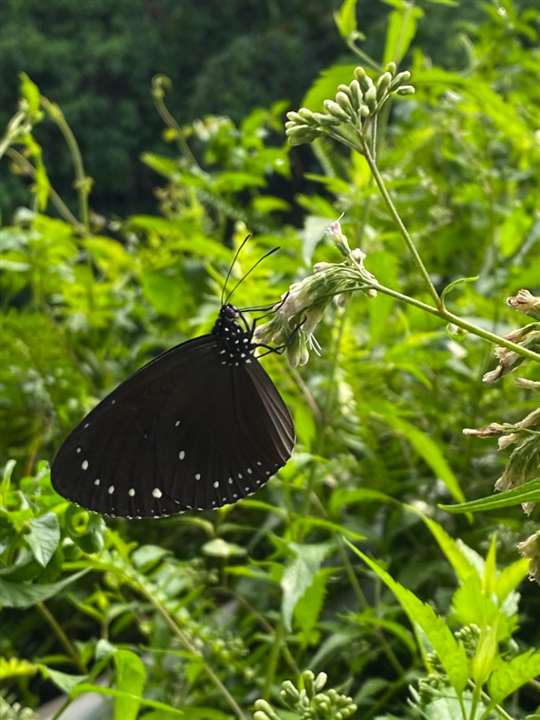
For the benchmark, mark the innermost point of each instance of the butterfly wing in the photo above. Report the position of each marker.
(184, 432)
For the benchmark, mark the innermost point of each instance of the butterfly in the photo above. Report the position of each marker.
(199, 426)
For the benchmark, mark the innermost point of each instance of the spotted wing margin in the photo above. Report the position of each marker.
(185, 432)
(115, 446)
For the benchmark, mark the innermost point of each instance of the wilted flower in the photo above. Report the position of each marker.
(524, 462)
(526, 302)
(302, 308)
(530, 548)
(528, 337)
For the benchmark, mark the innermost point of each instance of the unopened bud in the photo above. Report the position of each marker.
(295, 117)
(326, 120)
(334, 109)
(344, 102)
(357, 96)
(371, 97)
(401, 77)
(320, 681)
(307, 116)
(364, 111)
(391, 68)
(308, 678)
(383, 83)
(406, 90)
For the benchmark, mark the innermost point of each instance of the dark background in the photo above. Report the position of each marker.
(97, 58)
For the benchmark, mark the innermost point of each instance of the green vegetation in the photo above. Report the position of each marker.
(368, 579)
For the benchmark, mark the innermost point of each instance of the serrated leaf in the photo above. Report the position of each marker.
(14, 667)
(510, 577)
(43, 537)
(299, 575)
(453, 551)
(450, 652)
(528, 492)
(345, 18)
(507, 677)
(309, 606)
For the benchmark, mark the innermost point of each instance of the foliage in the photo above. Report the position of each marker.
(345, 563)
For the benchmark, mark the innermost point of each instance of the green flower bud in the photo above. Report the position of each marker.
(364, 111)
(289, 691)
(401, 77)
(406, 90)
(266, 711)
(308, 677)
(295, 117)
(357, 96)
(391, 68)
(371, 98)
(300, 134)
(326, 120)
(307, 116)
(334, 109)
(383, 83)
(344, 102)
(320, 681)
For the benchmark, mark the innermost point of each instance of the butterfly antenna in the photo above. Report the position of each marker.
(251, 269)
(235, 258)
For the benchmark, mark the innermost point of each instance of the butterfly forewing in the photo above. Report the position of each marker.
(185, 432)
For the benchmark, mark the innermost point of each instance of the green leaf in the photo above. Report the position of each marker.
(43, 537)
(400, 32)
(450, 652)
(528, 492)
(510, 577)
(453, 551)
(326, 84)
(63, 681)
(427, 448)
(345, 18)
(130, 680)
(507, 677)
(84, 688)
(309, 606)
(299, 575)
(165, 291)
(24, 595)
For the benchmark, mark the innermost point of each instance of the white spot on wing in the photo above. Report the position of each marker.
(97, 482)
(198, 476)
(177, 423)
(110, 489)
(216, 484)
(131, 492)
(182, 454)
(156, 492)
(84, 464)
(249, 470)
(79, 450)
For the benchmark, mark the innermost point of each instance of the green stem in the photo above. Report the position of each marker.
(56, 200)
(82, 182)
(62, 637)
(460, 322)
(364, 57)
(184, 640)
(399, 222)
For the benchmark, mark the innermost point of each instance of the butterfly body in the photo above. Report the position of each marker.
(200, 426)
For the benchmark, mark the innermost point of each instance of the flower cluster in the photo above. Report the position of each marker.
(354, 105)
(309, 702)
(302, 307)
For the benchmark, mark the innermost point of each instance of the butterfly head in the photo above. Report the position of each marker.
(234, 346)
(228, 312)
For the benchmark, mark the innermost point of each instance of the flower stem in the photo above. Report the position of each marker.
(399, 222)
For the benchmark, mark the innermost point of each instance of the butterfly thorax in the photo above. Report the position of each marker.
(234, 343)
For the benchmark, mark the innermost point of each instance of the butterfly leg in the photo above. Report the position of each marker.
(279, 349)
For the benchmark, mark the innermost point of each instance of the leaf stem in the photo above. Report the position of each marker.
(399, 222)
(62, 637)
(82, 183)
